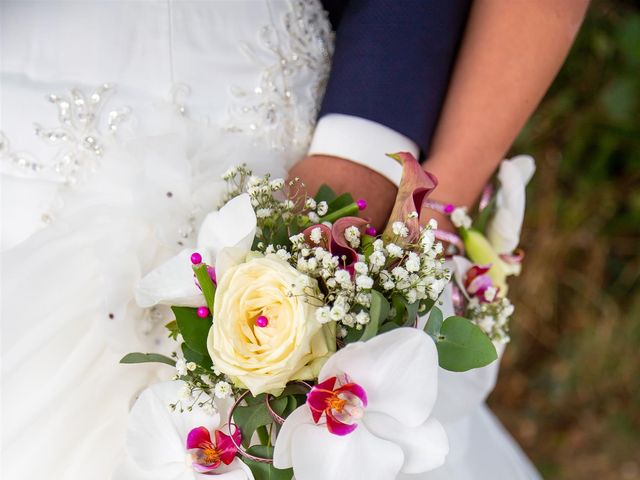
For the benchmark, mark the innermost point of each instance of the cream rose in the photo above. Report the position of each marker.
(292, 346)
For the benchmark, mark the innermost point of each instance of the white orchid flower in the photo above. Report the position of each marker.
(225, 236)
(504, 228)
(157, 441)
(369, 415)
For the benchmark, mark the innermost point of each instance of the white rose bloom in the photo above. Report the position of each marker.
(293, 346)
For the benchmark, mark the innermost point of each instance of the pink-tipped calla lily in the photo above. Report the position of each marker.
(333, 239)
(416, 184)
(206, 455)
(342, 406)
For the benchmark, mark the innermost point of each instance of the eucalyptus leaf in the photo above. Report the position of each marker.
(206, 284)
(434, 323)
(137, 357)
(194, 329)
(412, 313)
(378, 312)
(463, 346)
(265, 471)
(342, 201)
(204, 360)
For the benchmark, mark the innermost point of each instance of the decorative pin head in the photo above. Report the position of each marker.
(262, 321)
(203, 312)
(362, 204)
(196, 258)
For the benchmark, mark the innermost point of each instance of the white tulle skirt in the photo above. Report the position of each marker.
(68, 314)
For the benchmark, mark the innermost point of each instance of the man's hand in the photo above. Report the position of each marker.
(346, 176)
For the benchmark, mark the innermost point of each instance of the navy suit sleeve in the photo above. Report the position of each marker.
(393, 60)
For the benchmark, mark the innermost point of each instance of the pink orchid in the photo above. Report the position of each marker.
(477, 281)
(342, 406)
(416, 184)
(206, 455)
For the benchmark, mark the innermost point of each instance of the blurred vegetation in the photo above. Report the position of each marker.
(570, 384)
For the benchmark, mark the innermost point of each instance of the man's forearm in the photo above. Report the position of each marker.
(511, 52)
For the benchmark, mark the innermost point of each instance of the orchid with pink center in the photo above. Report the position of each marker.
(171, 445)
(208, 456)
(416, 184)
(342, 406)
(477, 282)
(376, 399)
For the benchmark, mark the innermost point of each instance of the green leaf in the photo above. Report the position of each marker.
(138, 357)
(206, 284)
(412, 313)
(463, 346)
(325, 194)
(342, 201)
(434, 323)
(481, 221)
(174, 331)
(204, 360)
(387, 327)
(378, 312)
(194, 329)
(250, 417)
(265, 471)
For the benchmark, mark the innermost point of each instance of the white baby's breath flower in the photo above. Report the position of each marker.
(263, 212)
(277, 184)
(349, 320)
(352, 234)
(209, 408)
(361, 268)
(316, 235)
(413, 214)
(394, 250)
(412, 296)
(322, 315)
(283, 254)
(413, 262)
(313, 217)
(185, 393)
(377, 259)
(427, 239)
(310, 203)
(331, 283)
(433, 223)
(322, 208)
(342, 332)
(343, 277)
(363, 281)
(460, 218)
(337, 313)
(364, 299)
(378, 245)
(388, 285)
(438, 248)
(254, 181)
(230, 173)
(222, 390)
(297, 239)
(400, 229)
(181, 366)
(191, 366)
(362, 318)
(400, 273)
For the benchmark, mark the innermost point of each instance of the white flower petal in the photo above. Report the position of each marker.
(156, 436)
(318, 455)
(504, 228)
(228, 233)
(171, 283)
(425, 447)
(284, 442)
(398, 370)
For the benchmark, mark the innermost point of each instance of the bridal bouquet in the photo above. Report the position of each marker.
(307, 343)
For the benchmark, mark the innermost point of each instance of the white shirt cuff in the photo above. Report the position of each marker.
(362, 141)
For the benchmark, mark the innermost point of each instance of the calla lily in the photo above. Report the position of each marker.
(370, 414)
(503, 231)
(166, 445)
(416, 184)
(334, 241)
(225, 236)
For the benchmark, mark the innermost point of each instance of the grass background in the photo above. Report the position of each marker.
(569, 388)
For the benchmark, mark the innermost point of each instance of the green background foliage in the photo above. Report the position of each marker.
(569, 389)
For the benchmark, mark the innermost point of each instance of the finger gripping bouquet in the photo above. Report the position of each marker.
(297, 347)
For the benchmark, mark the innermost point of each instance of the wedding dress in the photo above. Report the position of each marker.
(139, 108)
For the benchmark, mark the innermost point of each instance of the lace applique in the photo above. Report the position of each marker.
(279, 110)
(79, 138)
